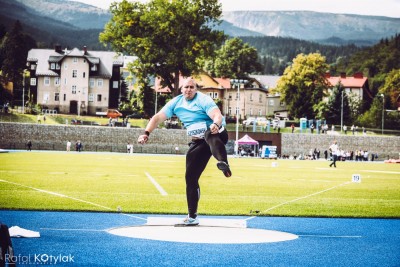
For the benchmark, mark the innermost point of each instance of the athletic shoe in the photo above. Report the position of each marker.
(224, 167)
(190, 221)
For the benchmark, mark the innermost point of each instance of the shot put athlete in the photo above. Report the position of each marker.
(206, 126)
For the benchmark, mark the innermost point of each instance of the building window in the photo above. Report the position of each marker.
(91, 97)
(74, 73)
(282, 104)
(57, 66)
(46, 81)
(98, 98)
(75, 60)
(65, 97)
(45, 97)
(251, 97)
(73, 89)
(230, 96)
(93, 68)
(84, 74)
(271, 102)
(65, 81)
(53, 66)
(57, 81)
(56, 96)
(229, 110)
(115, 84)
(259, 112)
(260, 98)
(33, 67)
(33, 81)
(99, 82)
(91, 83)
(215, 95)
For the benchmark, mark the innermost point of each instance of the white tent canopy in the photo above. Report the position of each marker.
(247, 140)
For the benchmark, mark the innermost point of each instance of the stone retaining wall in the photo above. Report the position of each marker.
(164, 141)
(386, 146)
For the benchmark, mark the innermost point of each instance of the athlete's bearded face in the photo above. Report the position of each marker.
(189, 89)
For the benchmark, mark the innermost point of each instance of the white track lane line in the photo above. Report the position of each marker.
(57, 194)
(159, 188)
(299, 198)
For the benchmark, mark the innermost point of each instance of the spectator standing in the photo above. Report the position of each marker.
(78, 146)
(334, 148)
(68, 146)
(29, 145)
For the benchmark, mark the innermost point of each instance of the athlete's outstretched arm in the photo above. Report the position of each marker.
(153, 124)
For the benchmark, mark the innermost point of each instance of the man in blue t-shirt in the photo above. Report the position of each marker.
(205, 125)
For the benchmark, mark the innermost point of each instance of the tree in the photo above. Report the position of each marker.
(14, 50)
(168, 37)
(234, 59)
(13, 53)
(334, 106)
(303, 84)
(391, 89)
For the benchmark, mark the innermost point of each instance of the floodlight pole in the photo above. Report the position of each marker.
(155, 105)
(237, 83)
(23, 92)
(383, 111)
(341, 115)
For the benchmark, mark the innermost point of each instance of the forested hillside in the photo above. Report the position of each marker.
(47, 31)
(275, 53)
(375, 62)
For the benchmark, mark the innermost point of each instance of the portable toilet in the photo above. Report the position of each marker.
(303, 124)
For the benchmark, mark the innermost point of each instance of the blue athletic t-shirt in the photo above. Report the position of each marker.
(191, 111)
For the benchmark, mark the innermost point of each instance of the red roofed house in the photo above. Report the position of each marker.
(355, 86)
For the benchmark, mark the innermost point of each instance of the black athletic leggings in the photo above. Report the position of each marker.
(197, 157)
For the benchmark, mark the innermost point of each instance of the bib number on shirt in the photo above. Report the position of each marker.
(197, 129)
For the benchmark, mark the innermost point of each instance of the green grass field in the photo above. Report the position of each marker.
(107, 181)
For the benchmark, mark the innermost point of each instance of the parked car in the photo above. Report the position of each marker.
(135, 116)
(261, 121)
(249, 121)
(230, 119)
(172, 123)
(76, 122)
(113, 113)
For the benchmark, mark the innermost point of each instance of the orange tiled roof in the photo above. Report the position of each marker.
(348, 82)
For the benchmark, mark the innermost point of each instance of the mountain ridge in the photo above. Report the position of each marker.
(305, 25)
(310, 25)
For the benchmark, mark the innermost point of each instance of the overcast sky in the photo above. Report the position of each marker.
(389, 8)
